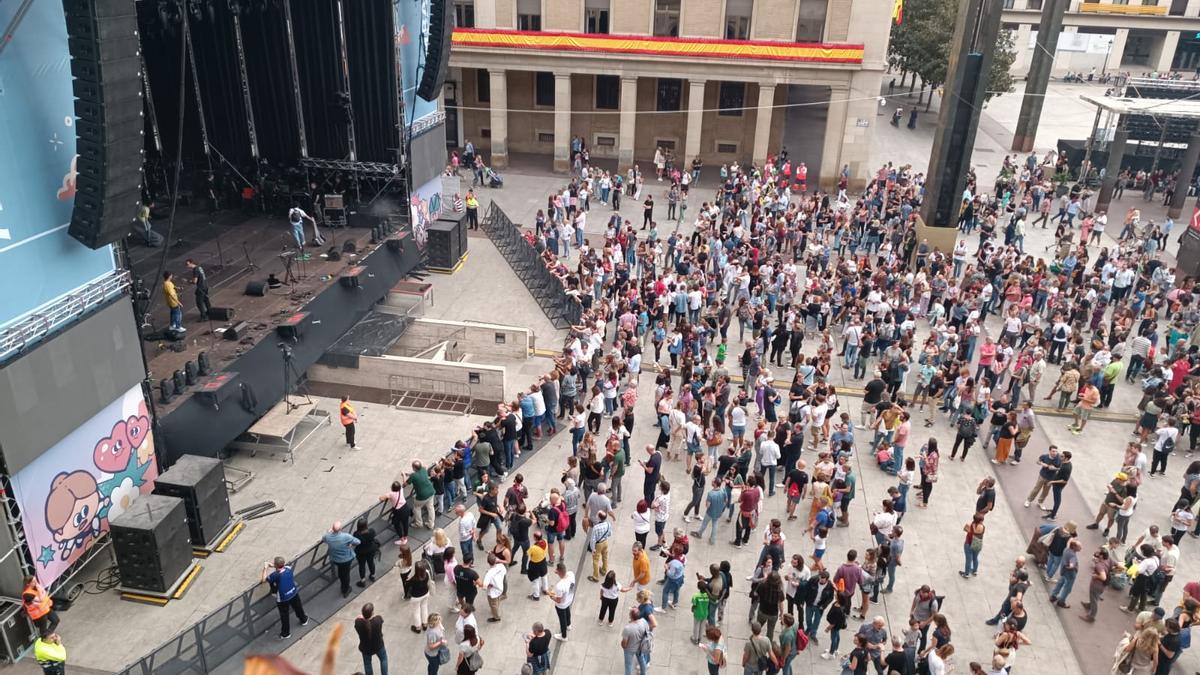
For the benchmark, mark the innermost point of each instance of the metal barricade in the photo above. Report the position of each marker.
(563, 309)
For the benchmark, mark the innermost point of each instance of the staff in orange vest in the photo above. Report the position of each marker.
(349, 417)
(39, 606)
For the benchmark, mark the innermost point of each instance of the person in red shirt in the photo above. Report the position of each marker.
(1179, 370)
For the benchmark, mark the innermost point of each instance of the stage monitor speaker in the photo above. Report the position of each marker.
(202, 364)
(333, 254)
(166, 389)
(200, 483)
(257, 288)
(395, 244)
(437, 51)
(103, 39)
(221, 313)
(237, 331)
(445, 245)
(349, 246)
(190, 373)
(457, 217)
(151, 544)
(180, 381)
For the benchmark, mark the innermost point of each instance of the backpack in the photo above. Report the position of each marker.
(801, 641)
(561, 520)
(646, 643)
(967, 428)
(1168, 444)
(1060, 333)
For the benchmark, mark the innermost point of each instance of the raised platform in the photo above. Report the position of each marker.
(233, 250)
(205, 424)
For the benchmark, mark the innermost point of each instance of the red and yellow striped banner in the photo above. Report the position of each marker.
(659, 46)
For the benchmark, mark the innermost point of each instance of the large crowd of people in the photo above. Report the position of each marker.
(740, 309)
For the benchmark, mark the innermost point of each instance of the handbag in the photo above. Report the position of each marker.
(443, 655)
(977, 542)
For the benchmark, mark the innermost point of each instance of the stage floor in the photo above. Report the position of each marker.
(226, 247)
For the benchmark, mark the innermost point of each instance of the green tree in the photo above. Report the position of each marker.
(921, 45)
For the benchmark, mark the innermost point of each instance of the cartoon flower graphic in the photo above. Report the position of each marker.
(122, 498)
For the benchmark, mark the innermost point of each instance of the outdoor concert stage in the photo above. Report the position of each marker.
(234, 250)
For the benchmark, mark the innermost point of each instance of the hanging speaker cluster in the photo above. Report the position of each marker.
(106, 65)
(437, 49)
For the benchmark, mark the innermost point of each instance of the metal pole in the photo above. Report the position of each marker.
(241, 52)
(150, 106)
(1086, 167)
(187, 38)
(341, 19)
(1162, 138)
(291, 41)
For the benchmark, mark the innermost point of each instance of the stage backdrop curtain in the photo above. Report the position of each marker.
(370, 55)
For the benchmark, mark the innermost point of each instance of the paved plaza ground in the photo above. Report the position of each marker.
(328, 482)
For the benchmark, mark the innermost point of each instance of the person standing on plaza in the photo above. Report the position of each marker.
(469, 658)
(1089, 397)
(493, 585)
(1061, 477)
(972, 546)
(563, 595)
(598, 540)
(466, 531)
(472, 211)
(50, 654)
(341, 553)
(39, 606)
(1066, 579)
(714, 506)
(422, 496)
(418, 588)
(280, 579)
(348, 419)
(1048, 464)
(369, 627)
(636, 642)
(366, 551)
(437, 651)
(537, 649)
(652, 467)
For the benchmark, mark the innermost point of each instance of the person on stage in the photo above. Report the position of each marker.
(297, 216)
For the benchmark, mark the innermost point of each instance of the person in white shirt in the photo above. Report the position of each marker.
(1166, 438)
(563, 595)
(768, 456)
(493, 583)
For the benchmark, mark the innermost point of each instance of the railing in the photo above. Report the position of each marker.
(398, 385)
(1110, 8)
(561, 308)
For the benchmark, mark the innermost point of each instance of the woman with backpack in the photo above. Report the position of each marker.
(469, 659)
(714, 650)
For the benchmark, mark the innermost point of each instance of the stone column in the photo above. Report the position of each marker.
(1186, 176)
(835, 127)
(562, 121)
(499, 112)
(1116, 153)
(1167, 54)
(762, 125)
(695, 121)
(1193, 8)
(625, 141)
(1117, 52)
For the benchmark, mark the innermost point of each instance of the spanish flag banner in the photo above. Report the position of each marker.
(898, 12)
(658, 46)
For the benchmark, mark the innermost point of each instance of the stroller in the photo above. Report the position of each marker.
(494, 180)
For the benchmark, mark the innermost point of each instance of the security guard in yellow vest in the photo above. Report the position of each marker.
(349, 417)
(51, 655)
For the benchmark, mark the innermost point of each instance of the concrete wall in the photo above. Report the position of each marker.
(563, 15)
(631, 17)
(774, 20)
(476, 339)
(375, 372)
(837, 19)
(701, 18)
(506, 13)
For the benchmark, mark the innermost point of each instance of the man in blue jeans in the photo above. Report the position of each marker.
(714, 505)
(341, 553)
(636, 643)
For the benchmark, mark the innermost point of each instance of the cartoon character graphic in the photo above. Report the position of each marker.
(420, 220)
(138, 428)
(111, 453)
(73, 511)
(67, 191)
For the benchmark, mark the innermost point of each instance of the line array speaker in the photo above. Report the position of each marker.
(200, 483)
(437, 51)
(103, 39)
(151, 543)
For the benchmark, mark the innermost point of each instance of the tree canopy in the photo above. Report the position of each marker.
(921, 45)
